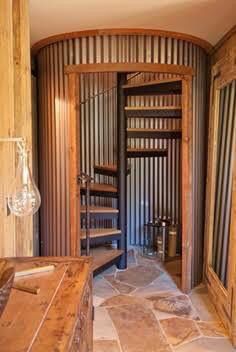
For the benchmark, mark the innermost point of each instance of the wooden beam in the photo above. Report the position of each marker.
(122, 167)
(74, 132)
(22, 108)
(223, 40)
(7, 151)
(121, 31)
(130, 67)
(187, 188)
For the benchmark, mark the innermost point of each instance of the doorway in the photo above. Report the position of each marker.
(186, 142)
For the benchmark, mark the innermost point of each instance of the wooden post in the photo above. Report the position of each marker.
(122, 167)
(74, 132)
(16, 119)
(187, 199)
(22, 108)
(7, 151)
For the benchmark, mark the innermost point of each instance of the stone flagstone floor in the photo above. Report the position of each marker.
(142, 310)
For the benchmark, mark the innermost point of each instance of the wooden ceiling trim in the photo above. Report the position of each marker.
(130, 67)
(121, 31)
(223, 40)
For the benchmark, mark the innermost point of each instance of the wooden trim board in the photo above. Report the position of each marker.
(121, 31)
(187, 221)
(223, 73)
(222, 41)
(187, 192)
(74, 131)
(130, 67)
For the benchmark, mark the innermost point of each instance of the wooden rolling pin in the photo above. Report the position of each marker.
(37, 270)
(22, 287)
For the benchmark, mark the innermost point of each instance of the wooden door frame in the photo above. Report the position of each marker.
(185, 73)
(224, 299)
(74, 162)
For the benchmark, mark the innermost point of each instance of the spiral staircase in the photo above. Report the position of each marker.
(99, 236)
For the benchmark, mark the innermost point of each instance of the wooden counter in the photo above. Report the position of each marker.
(59, 318)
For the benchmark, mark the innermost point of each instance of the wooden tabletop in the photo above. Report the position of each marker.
(45, 322)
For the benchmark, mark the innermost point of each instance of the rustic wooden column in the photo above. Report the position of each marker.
(15, 100)
(122, 167)
(7, 151)
(187, 196)
(74, 132)
(22, 107)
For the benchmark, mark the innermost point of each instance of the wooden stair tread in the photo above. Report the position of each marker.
(99, 210)
(157, 108)
(152, 130)
(154, 87)
(100, 187)
(139, 152)
(154, 82)
(130, 150)
(169, 112)
(104, 256)
(108, 170)
(95, 233)
(153, 133)
(110, 167)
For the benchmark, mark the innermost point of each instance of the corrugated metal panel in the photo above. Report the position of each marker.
(98, 130)
(148, 196)
(224, 178)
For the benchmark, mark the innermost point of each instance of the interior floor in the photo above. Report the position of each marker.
(142, 309)
(173, 266)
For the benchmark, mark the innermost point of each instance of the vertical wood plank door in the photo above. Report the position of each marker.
(220, 227)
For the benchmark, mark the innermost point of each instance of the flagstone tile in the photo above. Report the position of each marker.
(179, 305)
(162, 284)
(139, 276)
(120, 286)
(97, 301)
(138, 329)
(142, 260)
(212, 328)
(102, 289)
(203, 305)
(109, 271)
(103, 327)
(162, 315)
(105, 346)
(179, 330)
(124, 300)
(205, 344)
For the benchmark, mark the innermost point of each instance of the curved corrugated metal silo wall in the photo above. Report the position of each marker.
(98, 140)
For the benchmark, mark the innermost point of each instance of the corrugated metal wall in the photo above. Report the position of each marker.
(99, 133)
(53, 117)
(224, 178)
